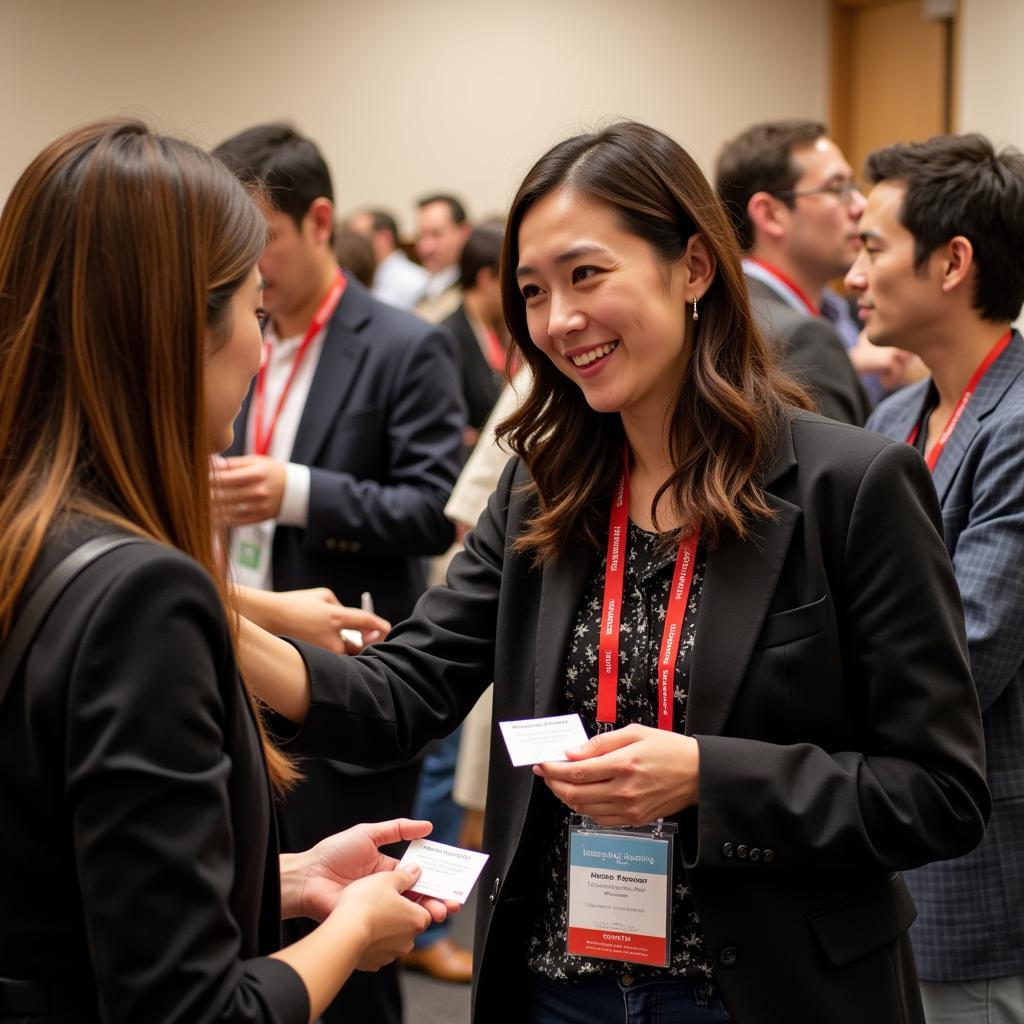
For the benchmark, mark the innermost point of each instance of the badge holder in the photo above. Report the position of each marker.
(620, 891)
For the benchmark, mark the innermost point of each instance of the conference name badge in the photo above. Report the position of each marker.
(620, 892)
(250, 554)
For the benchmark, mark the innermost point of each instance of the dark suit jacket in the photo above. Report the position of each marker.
(813, 353)
(980, 482)
(480, 384)
(830, 696)
(138, 856)
(382, 433)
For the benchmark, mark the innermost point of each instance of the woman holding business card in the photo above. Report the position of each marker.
(748, 606)
(140, 878)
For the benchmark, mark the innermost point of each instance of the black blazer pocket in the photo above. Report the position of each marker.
(352, 417)
(793, 624)
(864, 922)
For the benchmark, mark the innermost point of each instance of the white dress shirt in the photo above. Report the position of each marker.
(251, 546)
(398, 281)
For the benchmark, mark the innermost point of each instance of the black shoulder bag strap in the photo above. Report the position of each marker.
(45, 597)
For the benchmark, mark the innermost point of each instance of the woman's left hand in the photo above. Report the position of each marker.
(627, 777)
(313, 881)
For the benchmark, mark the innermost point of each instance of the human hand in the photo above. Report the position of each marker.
(388, 920)
(315, 880)
(894, 366)
(627, 777)
(318, 617)
(246, 489)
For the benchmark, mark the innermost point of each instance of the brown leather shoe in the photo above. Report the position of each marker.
(444, 960)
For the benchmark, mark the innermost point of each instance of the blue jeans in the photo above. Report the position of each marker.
(434, 803)
(612, 1000)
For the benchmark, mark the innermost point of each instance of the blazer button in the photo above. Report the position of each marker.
(727, 956)
(755, 853)
(728, 849)
(355, 546)
(741, 851)
(494, 891)
(767, 856)
(330, 543)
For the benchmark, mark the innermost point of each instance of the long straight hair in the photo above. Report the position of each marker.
(120, 251)
(732, 399)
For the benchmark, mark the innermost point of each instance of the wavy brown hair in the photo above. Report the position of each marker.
(732, 400)
(120, 251)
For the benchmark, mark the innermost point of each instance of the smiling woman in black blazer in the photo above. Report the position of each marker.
(140, 879)
(825, 732)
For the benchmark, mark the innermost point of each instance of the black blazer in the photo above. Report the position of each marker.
(480, 384)
(382, 433)
(138, 856)
(813, 353)
(830, 696)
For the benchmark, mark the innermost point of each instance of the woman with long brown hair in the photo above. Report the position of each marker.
(749, 606)
(139, 873)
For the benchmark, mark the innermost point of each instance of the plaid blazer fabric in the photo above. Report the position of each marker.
(971, 909)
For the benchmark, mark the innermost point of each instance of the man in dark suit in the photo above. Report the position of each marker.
(352, 438)
(941, 272)
(795, 207)
(477, 326)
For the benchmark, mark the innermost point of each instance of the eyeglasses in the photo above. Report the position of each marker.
(844, 191)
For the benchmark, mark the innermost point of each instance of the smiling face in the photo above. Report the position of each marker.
(602, 306)
(823, 239)
(234, 360)
(898, 303)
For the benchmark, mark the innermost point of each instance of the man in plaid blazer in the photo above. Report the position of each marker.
(941, 275)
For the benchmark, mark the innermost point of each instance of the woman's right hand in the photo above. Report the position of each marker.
(390, 919)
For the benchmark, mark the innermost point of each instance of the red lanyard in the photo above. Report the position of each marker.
(263, 433)
(679, 595)
(789, 283)
(994, 353)
(495, 352)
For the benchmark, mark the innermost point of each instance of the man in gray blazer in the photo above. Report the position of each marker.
(941, 274)
(795, 207)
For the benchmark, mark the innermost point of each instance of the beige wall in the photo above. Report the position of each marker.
(406, 96)
(991, 32)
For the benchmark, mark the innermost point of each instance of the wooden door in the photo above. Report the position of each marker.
(893, 72)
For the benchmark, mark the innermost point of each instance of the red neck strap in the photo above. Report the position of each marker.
(679, 595)
(972, 385)
(263, 433)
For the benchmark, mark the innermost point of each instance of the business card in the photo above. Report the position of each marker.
(533, 740)
(449, 873)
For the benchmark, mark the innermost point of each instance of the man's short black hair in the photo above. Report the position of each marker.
(288, 165)
(761, 160)
(383, 221)
(482, 249)
(959, 185)
(458, 211)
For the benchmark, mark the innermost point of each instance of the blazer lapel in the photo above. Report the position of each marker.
(956, 447)
(561, 590)
(989, 392)
(343, 351)
(739, 581)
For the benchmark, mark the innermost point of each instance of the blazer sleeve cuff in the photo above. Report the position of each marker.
(279, 989)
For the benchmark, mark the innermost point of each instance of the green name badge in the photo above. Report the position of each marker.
(249, 554)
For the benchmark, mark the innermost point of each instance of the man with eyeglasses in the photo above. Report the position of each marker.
(795, 206)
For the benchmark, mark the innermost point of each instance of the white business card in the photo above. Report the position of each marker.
(449, 873)
(533, 740)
